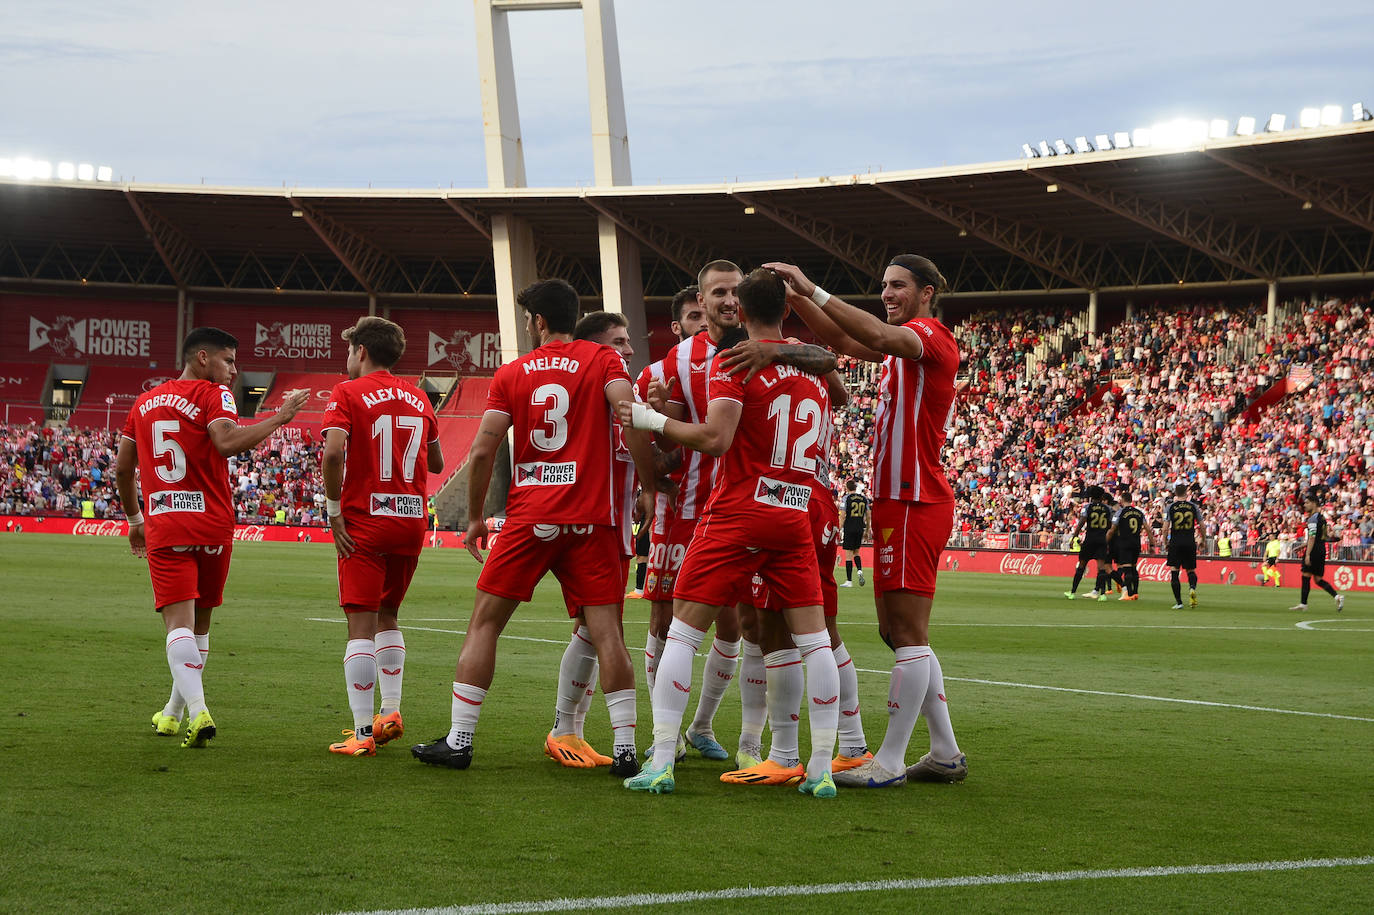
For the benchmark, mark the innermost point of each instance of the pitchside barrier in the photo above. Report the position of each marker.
(1345, 576)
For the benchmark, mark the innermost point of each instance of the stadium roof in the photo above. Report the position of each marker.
(1291, 206)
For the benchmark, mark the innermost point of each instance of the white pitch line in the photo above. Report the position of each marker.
(1098, 692)
(638, 900)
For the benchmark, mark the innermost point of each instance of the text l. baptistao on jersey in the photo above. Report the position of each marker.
(187, 499)
(915, 405)
(688, 363)
(564, 459)
(389, 424)
(765, 480)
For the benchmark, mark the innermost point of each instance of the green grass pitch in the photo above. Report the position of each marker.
(1093, 775)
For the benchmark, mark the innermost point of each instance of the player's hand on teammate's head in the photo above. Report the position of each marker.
(476, 539)
(751, 355)
(293, 401)
(796, 281)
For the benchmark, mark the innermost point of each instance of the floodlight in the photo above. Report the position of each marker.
(1358, 112)
(1276, 122)
(1045, 149)
(1217, 129)
(1029, 151)
(1245, 127)
(6, 168)
(104, 173)
(66, 171)
(85, 171)
(1062, 148)
(1103, 141)
(1141, 137)
(1331, 115)
(1310, 117)
(1082, 145)
(1122, 140)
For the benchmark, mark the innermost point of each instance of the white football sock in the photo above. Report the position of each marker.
(786, 685)
(574, 676)
(467, 706)
(585, 703)
(653, 650)
(176, 706)
(823, 691)
(905, 695)
(851, 736)
(721, 664)
(621, 706)
(360, 679)
(391, 663)
(753, 696)
(673, 687)
(943, 746)
(183, 658)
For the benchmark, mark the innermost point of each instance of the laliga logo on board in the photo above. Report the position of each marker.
(466, 351)
(1344, 579)
(67, 336)
(284, 340)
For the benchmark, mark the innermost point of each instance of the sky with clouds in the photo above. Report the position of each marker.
(345, 93)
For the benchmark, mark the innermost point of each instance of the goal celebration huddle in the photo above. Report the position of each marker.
(721, 452)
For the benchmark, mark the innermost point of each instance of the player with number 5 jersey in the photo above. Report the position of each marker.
(178, 439)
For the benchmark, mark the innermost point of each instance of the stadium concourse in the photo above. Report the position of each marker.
(1201, 393)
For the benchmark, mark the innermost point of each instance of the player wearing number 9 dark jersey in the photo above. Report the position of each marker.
(560, 513)
(1127, 528)
(381, 444)
(178, 438)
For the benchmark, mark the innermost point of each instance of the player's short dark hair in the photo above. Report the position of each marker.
(719, 266)
(763, 296)
(553, 300)
(384, 340)
(1313, 496)
(595, 323)
(207, 338)
(1180, 489)
(684, 295)
(925, 271)
(1125, 495)
(850, 485)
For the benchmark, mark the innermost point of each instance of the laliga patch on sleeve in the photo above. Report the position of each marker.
(227, 399)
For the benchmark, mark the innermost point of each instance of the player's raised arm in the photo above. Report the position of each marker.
(874, 336)
(753, 356)
(231, 438)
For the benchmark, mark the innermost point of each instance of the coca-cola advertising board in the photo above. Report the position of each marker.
(282, 336)
(40, 328)
(449, 340)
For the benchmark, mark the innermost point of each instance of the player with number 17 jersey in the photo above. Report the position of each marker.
(389, 424)
(185, 485)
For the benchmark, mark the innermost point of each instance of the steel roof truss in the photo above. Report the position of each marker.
(1067, 257)
(866, 255)
(369, 264)
(178, 253)
(1352, 204)
(679, 250)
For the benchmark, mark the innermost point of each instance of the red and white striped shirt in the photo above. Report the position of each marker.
(689, 363)
(915, 406)
(664, 509)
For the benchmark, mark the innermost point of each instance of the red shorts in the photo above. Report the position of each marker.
(575, 608)
(666, 553)
(720, 574)
(370, 581)
(189, 573)
(907, 540)
(825, 532)
(585, 558)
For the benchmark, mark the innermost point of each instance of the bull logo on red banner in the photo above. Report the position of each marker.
(465, 351)
(285, 340)
(68, 337)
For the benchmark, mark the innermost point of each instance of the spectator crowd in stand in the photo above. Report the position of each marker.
(1045, 410)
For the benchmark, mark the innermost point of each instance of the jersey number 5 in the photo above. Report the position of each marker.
(164, 445)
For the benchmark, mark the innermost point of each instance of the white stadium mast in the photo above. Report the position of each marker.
(512, 239)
